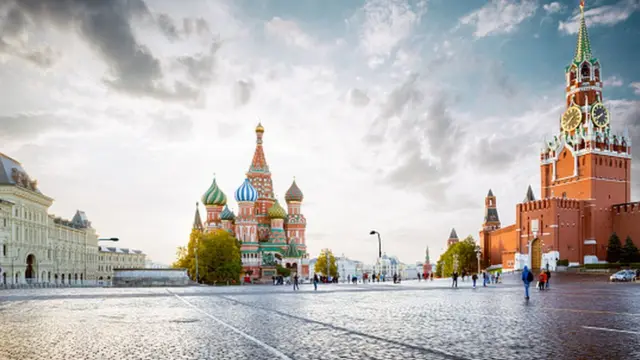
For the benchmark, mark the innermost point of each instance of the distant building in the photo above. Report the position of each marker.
(453, 238)
(347, 268)
(38, 247)
(113, 258)
(426, 267)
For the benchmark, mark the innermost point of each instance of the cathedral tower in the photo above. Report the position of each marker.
(246, 220)
(260, 178)
(491, 219)
(277, 215)
(296, 223)
(197, 222)
(214, 200)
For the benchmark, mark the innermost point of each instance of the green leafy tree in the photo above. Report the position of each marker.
(467, 259)
(218, 257)
(321, 264)
(630, 253)
(614, 249)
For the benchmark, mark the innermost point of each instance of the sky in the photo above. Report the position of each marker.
(396, 116)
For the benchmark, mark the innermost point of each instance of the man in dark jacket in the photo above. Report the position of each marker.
(546, 284)
(527, 278)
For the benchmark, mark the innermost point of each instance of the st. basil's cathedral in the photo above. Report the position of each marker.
(268, 233)
(585, 189)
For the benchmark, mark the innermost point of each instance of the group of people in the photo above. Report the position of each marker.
(528, 278)
(487, 278)
(425, 276)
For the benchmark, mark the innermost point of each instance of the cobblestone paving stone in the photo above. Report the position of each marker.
(413, 320)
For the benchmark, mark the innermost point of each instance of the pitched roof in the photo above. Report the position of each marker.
(453, 234)
(529, 196)
(12, 173)
(490, 193)
(80, 220)
(491, 215)
(197, 221)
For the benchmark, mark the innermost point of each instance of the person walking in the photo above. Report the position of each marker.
(296, 285)
(395, 278)
(527, 278)
(542, 278)
(455, 279)
(485, 279)
(546, 284)
(315, 281)
(474, 277)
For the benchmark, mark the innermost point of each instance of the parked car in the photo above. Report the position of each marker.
(623, 275)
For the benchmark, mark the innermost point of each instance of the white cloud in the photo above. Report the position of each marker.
(636, 87)
(607, 15)
(288, 31)
(499, 16)
(613, 81)
(384, 26)
(552, 8)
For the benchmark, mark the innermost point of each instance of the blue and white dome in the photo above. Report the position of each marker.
(246, 192)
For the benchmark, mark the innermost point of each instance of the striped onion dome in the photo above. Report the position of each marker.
(277, 212)
(294, 193)
(246, 192)
(227, 214)
(214, 196)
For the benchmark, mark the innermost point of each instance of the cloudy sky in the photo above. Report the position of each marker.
(392, 115)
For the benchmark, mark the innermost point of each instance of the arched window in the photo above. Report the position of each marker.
(585, 71)
(572, 75)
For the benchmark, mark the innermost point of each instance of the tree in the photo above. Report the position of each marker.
(321, 264)
(614, 249)
(218, 257)
(630, 253)
(467, 259)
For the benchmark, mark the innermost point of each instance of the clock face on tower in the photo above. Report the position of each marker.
(599, 115)
(571, 118)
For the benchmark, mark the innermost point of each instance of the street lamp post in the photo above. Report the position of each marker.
(455, 262)
(478, 253)
(373, 232)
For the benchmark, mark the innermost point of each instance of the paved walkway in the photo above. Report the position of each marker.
(580, 317)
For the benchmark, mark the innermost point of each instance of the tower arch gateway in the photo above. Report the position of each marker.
(584, 173)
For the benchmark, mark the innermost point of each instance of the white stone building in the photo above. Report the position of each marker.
(347, 268)
(37, 247)
(112, 258)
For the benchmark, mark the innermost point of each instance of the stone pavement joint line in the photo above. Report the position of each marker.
(612, 330)
(605, 312)
(237, 331)
(350, 331)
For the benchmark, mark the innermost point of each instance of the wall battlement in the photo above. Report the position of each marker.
(549, 203)
(627, 209)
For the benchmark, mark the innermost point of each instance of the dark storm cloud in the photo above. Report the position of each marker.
(12, 28)
(106, 26)
(242, 90)
(358, 98)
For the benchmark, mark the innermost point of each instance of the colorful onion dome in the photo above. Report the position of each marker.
(227, 214)
(246, 192)
(214, 196)
(259, 128)
(294, 193)
(277, 212)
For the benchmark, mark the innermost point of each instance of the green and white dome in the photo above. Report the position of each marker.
(214, 196)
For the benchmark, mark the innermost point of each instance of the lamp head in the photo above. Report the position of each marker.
(373, 232)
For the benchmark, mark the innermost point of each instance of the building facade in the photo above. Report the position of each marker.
(268, 233)
(114, 258)
(453, 238)
(585, 189)
(35, 246)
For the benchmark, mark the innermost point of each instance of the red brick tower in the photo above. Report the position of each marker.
(586, 161)
(260, 177)
(453, 238)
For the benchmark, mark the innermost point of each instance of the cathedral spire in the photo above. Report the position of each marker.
(197, 222)
(259, 162)
(583, 47)
(427, 260)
